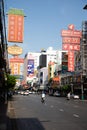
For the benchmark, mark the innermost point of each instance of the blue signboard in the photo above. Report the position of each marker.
(30, 67)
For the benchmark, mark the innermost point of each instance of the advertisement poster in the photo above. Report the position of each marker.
(30, 67)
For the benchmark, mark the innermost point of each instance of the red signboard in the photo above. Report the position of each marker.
(74, 40)
(15, 28)
(71, 33)
(71, 61)
(17, 60)
(71, 42)
(72, 47)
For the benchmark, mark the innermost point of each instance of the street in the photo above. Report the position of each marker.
(56, 113)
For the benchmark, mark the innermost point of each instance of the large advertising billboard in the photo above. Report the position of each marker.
(71, 42)
(30, 66)
(15, 26)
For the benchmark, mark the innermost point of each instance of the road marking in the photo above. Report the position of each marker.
(75, 115)
(76, 106)
(51, 106)
(61, 110)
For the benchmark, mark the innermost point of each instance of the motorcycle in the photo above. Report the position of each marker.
(43, 100)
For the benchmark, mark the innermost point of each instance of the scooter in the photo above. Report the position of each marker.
(43, 100)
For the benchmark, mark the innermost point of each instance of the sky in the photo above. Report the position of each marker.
(44, 21)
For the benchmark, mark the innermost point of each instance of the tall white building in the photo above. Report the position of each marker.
(31, 56)
(51, 55)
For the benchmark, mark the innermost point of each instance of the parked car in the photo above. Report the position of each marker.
(22, 93)
(75, 96)
(57, 94)
(26, 93)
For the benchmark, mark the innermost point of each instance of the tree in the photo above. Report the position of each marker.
(66, 88)
(11, 82)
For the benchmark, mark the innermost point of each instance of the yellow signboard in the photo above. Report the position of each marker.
(15, 50)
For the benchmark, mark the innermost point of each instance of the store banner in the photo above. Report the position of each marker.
(71, 61)
(15, 27)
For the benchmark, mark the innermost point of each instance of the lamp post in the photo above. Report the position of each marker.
(82, 90)
(85, 7)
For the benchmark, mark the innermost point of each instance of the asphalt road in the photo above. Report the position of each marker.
(56, 114)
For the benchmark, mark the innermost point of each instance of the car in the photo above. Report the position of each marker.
(30, 92)
(22, 92)
(26, 93)
(57, 94)
(74, 96)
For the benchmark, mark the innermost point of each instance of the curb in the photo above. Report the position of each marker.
(11, 122)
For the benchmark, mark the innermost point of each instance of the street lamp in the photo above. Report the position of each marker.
(82, 90)
(85, 7)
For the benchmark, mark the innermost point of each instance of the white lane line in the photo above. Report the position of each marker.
(75, 115)
(61, 110)
(76, 106)
(51, 106)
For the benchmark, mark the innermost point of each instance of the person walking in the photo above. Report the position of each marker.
(43, 97)
(68, 96)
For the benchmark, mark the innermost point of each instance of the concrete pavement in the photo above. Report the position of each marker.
(7, 121)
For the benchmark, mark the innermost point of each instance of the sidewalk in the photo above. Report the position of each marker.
(3, 115)
(7, 121)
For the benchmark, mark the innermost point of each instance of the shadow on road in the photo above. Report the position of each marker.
(24, 124)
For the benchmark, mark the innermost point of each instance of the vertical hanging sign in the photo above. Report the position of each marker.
(15, 25)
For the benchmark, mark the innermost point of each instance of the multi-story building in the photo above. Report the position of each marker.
(43, 77)
(36, 63)
(31, 63)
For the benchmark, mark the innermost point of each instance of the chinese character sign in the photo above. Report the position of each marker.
(71, 61)
(15, 28)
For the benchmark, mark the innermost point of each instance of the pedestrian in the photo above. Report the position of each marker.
(68, 96)
(43, 97)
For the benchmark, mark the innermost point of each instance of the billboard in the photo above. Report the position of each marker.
(16, 68)
(16, 60)
(30, 66)
(15, 26)
(16, 65)
(15, 50)
(71, 42)
(74, 40)
(71, 33)
(72, 47)
(71, 61)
